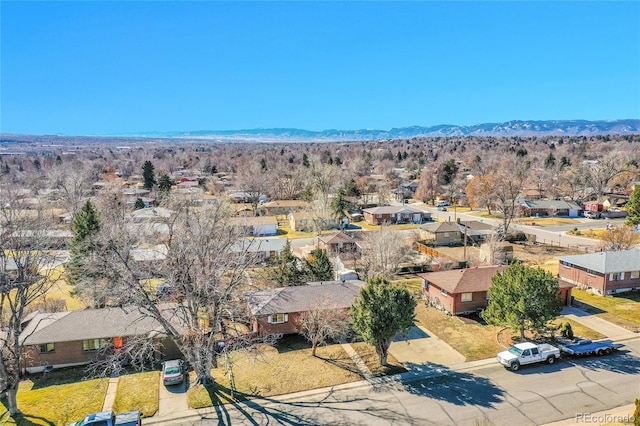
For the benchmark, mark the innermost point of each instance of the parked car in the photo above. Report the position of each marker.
(443, 203)
(442, 208)
(587, 347)
(592, 215)
(528, 353)
(173, 372)
(108, 418)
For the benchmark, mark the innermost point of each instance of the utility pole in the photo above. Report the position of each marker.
(465, 245)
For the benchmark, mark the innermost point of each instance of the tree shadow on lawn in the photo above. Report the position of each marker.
(589, 309)
(262, 410)
(438, 382)
(291, 342)
(20, 418)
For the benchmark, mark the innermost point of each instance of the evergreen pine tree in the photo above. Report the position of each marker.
(318, 267)
(633, 208)
(85, 227)
(148, 175)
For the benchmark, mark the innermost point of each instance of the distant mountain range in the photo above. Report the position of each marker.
(510, 128)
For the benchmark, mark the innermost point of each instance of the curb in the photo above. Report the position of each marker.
(406, 377)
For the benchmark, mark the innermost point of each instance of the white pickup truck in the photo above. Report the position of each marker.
(528, 353)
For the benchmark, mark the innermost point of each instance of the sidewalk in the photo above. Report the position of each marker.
(617, 415)
(612, 331)
(191, 415)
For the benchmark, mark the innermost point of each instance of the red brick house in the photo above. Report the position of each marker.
(607, 272)
(459, 291)
(395, 214)
(278, 310)
(65, 339)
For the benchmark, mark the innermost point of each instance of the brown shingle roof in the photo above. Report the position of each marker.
(338, 237)
(467, 280)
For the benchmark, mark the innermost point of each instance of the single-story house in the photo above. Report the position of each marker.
(442, 233)
(278, 310)
(336, 243)
(283, 207)
(476, 230)
(264, 248)
(395, 214)
(550, 208)
(606, 272)
(258, 226)
(65, 339)
(459, 291)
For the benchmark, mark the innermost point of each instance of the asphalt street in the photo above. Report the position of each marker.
(489, 395)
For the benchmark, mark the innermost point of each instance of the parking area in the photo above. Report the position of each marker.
(419, 346)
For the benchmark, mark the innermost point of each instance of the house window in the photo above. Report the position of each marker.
(635, 275)
(47, 347)
(591, 272)
(617, 276)
(94, 344)
(446, 234)
(467, 297)
(379, 216)
(277, 318)
(567, 264)
(392, 215)
(443, 291)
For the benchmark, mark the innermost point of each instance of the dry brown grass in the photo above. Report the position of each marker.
(369, 356)
(272, 372)
(473, 341)
(623, 309)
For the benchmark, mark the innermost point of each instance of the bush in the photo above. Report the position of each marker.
(515, 236)
(566, 330)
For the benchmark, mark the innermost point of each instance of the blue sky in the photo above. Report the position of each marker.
(94, 68)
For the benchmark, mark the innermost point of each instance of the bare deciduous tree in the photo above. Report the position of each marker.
(28, 262)
(323, 322)
(382, 252)
(206, 271)
(619, 238)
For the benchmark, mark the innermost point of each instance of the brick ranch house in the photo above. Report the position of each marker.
(278, 310)
(463, 291)
(607, 272)
(65, 339)
(395, 214)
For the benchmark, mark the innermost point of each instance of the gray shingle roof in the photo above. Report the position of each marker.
(87, 324)
(606, 262)
(333, 294)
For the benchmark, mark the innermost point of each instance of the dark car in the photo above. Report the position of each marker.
(173, 372)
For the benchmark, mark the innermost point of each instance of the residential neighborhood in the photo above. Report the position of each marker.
(220, 273)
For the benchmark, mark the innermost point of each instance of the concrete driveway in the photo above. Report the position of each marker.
(420, 346)
(173, 399)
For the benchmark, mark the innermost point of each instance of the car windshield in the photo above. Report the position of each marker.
(172, 370)
(515, 351)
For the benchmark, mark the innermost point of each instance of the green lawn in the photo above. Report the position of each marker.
(288, 367)
(623, 309)
(56, 404)
(138, 391)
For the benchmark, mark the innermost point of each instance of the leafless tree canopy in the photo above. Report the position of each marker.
(28, 269)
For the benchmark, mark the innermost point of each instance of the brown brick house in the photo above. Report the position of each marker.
(460, 290)
(65, 339)
(395, 214)
(278, 310)
(607, 272)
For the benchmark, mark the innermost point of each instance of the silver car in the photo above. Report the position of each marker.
(173, 372)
